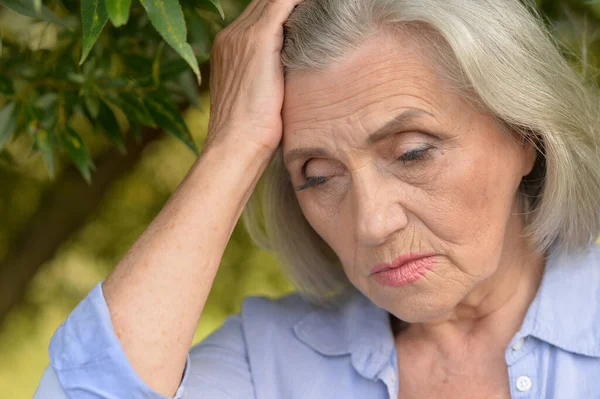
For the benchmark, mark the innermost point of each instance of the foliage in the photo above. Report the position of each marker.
(106, 62)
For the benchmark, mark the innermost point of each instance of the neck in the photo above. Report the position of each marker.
(493, 311)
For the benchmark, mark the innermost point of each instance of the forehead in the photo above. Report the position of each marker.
(363, 90)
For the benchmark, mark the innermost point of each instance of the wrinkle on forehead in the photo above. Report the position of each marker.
(360, 91)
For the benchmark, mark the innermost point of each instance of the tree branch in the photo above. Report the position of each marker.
(64, 209)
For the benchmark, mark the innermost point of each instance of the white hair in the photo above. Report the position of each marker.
(499, 55)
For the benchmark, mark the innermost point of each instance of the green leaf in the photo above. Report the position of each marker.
(92, 103)
(156, 65)
(170, 70)
(199, 35)
(6, 85)
(167, 17)
(216, 4)
(46, 101)
(93, 19)
(44, 144)
(110, 125)
(133, 108)
(118, 11)
(8, 121)
(78, 152)
(189, 87)
(33, 114)
(28, 8)
(167, 116)
(76, 78)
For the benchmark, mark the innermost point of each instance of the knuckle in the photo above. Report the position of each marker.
(273, 4)
(220, 37)
(256, 30)
(263, 26)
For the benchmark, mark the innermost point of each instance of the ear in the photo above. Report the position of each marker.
(529, 155)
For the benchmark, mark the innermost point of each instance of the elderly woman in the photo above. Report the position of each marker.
(434, 193)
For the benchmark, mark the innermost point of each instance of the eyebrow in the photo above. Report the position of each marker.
(399, 122)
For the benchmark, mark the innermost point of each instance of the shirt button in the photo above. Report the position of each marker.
(524, 383)
(518, 345)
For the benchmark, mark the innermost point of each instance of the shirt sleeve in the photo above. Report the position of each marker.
(87, 360)
(220, 367)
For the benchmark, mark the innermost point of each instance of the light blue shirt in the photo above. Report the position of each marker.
(287, 348)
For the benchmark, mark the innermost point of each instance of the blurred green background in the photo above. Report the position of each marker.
(70, 212)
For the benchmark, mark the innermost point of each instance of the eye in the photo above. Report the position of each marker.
(312, 181)
(322, 170)
(414, 155)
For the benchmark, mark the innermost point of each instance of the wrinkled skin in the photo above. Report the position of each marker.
(457, 199)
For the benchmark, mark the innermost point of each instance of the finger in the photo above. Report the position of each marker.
(250, 9)
(256, 11)
(247, 18)
(277, 11)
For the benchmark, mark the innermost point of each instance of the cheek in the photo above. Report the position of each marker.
(488, 193)
(323, 219)
(470, 206)
(330, 222)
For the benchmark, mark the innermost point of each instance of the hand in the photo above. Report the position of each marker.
(246, 82)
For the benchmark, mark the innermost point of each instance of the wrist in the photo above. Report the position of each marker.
(232, 163)
(238, 151)
(232, 139)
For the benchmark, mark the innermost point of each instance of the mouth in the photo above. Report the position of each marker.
(399, 262)
(404, 270)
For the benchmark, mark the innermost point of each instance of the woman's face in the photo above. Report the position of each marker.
(388, 163)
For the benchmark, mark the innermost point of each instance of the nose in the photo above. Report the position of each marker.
(377, 208)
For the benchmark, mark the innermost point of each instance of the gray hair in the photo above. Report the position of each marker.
(499, 55)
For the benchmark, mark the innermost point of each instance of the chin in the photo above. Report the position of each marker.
(416, 306)
(421, 314)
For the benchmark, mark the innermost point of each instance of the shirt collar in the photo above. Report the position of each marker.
(566, 309)
(565, 313)
(358, 327)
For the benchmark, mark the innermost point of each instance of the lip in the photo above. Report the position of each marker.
(405, 270)
(399, 262)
